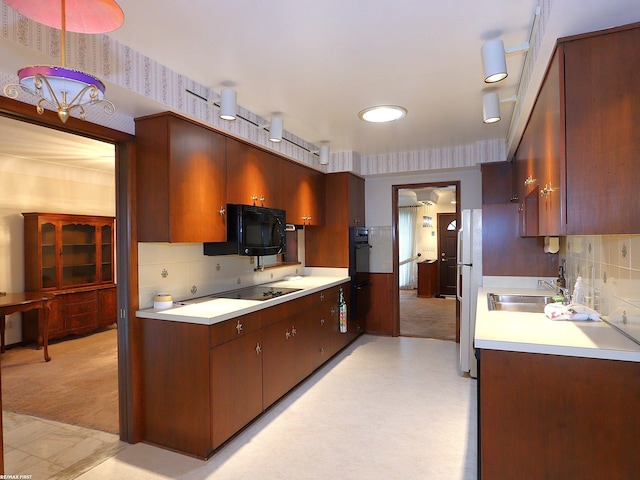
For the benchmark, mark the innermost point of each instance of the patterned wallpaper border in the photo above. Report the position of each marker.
(121, 65)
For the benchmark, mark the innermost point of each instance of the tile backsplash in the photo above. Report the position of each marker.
(182, 270)
(610, 267)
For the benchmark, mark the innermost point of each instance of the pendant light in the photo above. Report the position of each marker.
(64, 89)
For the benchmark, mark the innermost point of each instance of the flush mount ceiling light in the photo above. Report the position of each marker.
(491, 106)
(275, 130)
(228, 104)
(58, 87)
(382, 113)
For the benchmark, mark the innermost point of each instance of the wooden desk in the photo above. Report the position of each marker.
(22, 302)
(427, 278)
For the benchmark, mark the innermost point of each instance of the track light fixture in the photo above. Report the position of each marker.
(228, 104)
(324, 154)
(494, 61)
(491, 106)
(275, 130)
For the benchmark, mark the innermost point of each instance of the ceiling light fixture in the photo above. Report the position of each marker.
(491, 106)
(65, 89)
(275, 130)
(324, 154)
(494, 61)
(382, 113)
(228, 104)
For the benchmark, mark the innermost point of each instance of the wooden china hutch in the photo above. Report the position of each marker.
(72, 258)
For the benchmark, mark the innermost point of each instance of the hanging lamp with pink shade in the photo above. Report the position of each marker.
(65, 89)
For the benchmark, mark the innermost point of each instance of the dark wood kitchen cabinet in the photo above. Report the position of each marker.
(254, 176)
(181, 180)
(304, 194)
(201, 384)
(579, 150)
(328, 245)
(557, 417)
(71, 257)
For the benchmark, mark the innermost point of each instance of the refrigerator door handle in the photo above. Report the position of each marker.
(459, 282)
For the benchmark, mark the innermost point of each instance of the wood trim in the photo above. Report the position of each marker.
(394, 286)
(380, 316)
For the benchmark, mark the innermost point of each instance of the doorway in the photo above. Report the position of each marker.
(126, 257)
(425, 218)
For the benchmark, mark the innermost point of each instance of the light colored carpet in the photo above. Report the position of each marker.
(427, 317)
(79, 386)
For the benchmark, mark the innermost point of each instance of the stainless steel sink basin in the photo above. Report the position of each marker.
(518, 303)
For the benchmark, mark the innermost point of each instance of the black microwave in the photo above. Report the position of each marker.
(252, 231)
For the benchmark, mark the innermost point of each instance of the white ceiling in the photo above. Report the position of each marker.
(320, 62)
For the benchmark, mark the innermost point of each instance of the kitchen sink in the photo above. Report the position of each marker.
(518, 303)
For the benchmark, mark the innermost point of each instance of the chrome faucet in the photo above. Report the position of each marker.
(566, 298)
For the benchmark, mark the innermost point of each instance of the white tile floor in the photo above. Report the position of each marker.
(385, 408)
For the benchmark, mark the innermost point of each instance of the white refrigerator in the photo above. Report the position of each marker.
(469, 262)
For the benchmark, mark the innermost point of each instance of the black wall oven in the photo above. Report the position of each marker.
(360, 250)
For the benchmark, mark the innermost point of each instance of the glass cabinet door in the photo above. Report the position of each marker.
(78, 254)
(106, 234)
(48, 252)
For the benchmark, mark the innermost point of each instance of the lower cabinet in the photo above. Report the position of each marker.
(557, 417)
(202, 384)
(73, 312)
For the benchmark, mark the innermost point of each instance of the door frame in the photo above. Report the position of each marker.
(129, 345)
(395, 235)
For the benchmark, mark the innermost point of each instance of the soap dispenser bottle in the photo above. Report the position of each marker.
(579, 295)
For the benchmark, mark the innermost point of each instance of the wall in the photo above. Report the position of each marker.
(611, 264)
(182, 270)
(33, 186)
(378, 194)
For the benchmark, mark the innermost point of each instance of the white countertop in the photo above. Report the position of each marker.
(207, 311)
(535, 333)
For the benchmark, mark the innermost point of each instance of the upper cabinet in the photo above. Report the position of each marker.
(578, 155)
(304, 194)
(345, 189)
(602, 105)
(67, 251)
(181, 180)
(254, 176)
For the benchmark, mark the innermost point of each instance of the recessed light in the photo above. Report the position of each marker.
(382, 113)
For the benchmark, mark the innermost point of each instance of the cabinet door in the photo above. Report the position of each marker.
(236, 385)
(253, 176)
(106, 254)
(602, 117)
(198, 183)
(279, 369)
(79, 262)
(180, 180)
(49, 251)
(356, 201)
(303, 190)
(107, 307)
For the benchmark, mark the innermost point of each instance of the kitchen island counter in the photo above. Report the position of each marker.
(209, 311)
(536, 333)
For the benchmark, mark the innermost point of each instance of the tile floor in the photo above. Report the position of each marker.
(46, 449)
(384, 408)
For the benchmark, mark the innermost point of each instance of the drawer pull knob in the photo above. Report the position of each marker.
(239, 327)
(258, 349)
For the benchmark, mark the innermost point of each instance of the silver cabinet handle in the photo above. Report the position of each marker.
(254, 198)
(262, 200)
(239, 327)
(222, 211)
(258, 349)
(293, 331)
(322, 351)
(321, 296)
(287, 335)
(333, 310)
(322, 321)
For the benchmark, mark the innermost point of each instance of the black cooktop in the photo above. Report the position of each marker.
(259, 292)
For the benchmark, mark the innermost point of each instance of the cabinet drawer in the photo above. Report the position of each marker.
(80, 297)
(80, 308)
(81, 323)
(234, 328)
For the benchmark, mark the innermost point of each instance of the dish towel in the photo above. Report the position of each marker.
(573, 311)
